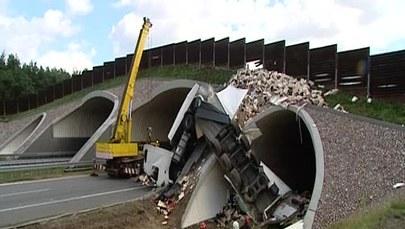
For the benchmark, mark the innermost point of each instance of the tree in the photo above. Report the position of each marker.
(17, 81)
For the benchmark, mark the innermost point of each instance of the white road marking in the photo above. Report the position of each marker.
(22, 193)
(69, 199)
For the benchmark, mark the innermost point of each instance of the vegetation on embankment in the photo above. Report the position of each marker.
(389, 216)
(378, 109)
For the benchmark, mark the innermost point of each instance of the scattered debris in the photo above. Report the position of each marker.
(203, 225)
(354, 99)
(230, 213)
(175, 192)
(398, 185)
(369, 100)
(235, 225)
(331, 92)
(270, 87)
(145, 180)
(180, 197)
(339, 107)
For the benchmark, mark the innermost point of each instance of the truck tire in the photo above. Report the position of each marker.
(226, 162)
(236, 128)
(188, 121)
(216, 147)
(245, 142)
(229, 147)
(223, 133)
(235, 178)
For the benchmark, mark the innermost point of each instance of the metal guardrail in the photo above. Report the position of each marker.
(32, 161)
(38, 155)
(69, 166)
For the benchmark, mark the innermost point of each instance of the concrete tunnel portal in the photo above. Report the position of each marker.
(66, 136)
(291, 147)
(285, 146)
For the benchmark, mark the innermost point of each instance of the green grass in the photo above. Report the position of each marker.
(389, 216)
(204, 74)
(210, 75)
(383, 110)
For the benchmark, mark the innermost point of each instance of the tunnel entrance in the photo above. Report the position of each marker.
(286, 147)
(66, 136)
(290, 146)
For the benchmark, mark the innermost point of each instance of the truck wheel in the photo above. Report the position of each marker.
(216, 147)
(188, 122)
(229, 147)
(222, 133)
(235, 178)
(245, 142)
(226, 162)
(237, 128)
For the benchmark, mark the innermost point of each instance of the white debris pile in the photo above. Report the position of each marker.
(270, 87)
(169, 198)
(145, 180)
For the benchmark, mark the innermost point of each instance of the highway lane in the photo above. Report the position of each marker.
(26, 201)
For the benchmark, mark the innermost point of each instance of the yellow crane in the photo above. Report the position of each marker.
(120, 153)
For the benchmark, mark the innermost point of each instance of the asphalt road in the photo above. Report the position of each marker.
(26, 201)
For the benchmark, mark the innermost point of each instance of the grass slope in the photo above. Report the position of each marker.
(389, 216)
(387, 111)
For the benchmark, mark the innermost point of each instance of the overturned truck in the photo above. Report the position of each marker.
(204, 114)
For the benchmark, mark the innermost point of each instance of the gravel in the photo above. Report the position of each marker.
(362, 162)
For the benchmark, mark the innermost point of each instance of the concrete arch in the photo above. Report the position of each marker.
(160, 111)
(290, 145)
(68, 134)
(102, 132)
(12, 144)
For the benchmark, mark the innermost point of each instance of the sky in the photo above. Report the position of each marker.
(78, 34)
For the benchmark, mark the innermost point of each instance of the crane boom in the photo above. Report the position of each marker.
(122, 132)
(120, 153)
